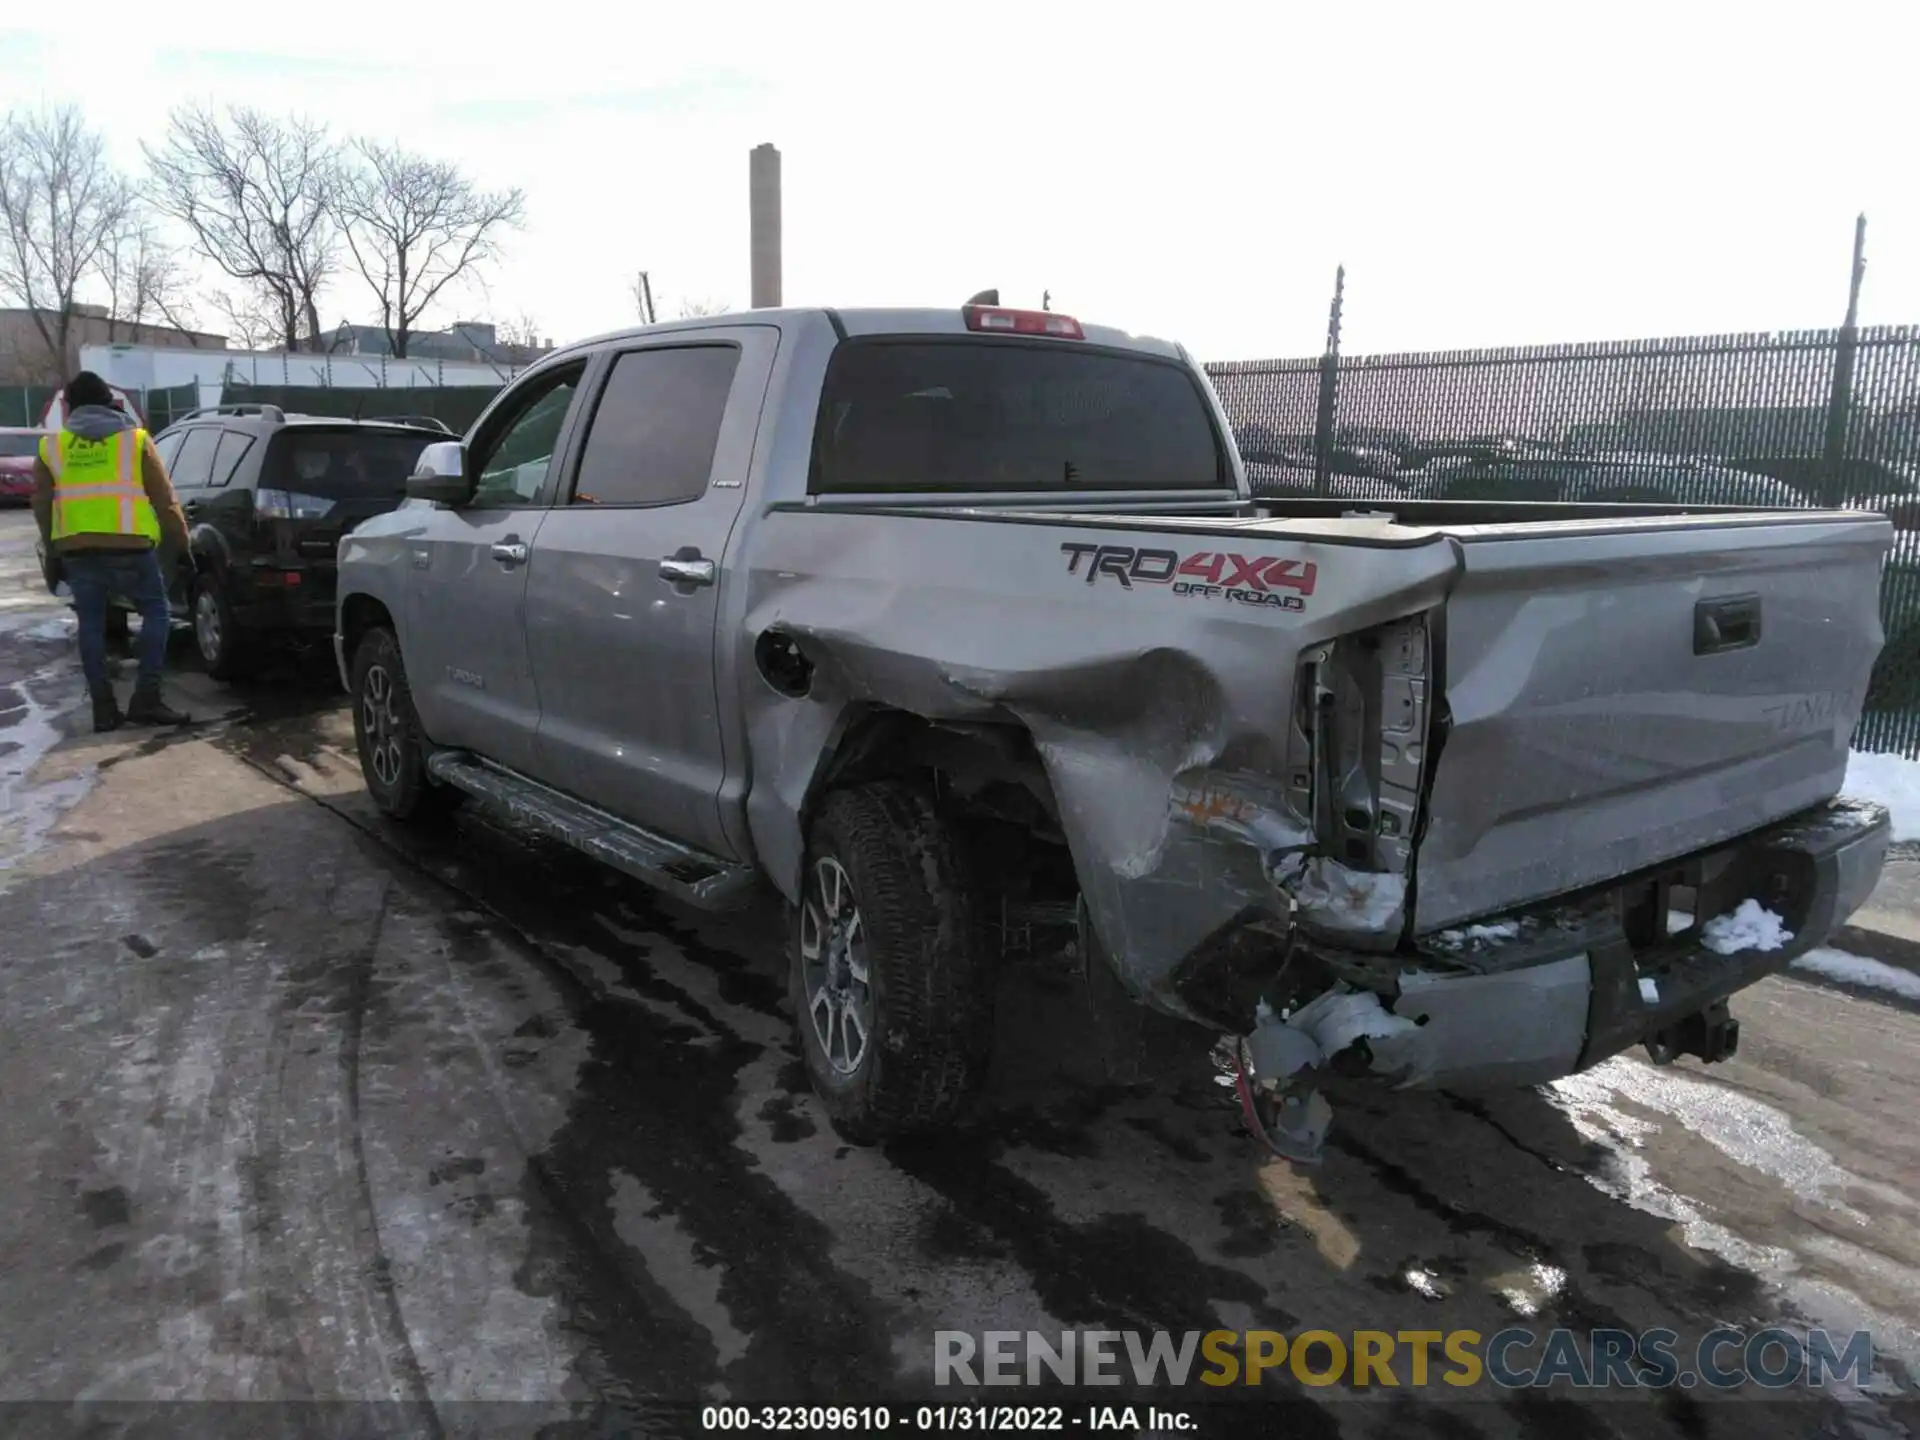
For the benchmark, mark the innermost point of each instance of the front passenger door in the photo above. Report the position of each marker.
(466, 639)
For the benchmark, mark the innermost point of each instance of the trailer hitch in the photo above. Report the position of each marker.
(1711, 1034)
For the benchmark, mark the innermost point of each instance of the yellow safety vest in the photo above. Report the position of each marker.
(97, 485)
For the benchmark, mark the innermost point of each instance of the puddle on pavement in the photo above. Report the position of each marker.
(1614, 1105)
(42, 688)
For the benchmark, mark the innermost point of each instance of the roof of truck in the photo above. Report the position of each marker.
(949, 320)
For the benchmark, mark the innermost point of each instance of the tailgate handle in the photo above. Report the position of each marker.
(1731, 622)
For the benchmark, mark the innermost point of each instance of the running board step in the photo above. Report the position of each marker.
(681, 871)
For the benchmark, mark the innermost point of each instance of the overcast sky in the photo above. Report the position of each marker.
(1489, 174)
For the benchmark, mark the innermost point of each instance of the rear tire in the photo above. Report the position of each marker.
(387, 733)
(887, 939)
(227, 649)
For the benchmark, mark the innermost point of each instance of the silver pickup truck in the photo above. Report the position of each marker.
(948, 624)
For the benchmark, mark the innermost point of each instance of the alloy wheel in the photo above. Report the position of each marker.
(833, 959)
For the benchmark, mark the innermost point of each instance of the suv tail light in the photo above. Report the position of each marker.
(289, 505)
(996, 320)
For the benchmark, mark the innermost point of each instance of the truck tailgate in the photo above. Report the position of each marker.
(1625, 693)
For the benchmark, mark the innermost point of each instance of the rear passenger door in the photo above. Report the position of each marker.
(624, 593)
(189, 460)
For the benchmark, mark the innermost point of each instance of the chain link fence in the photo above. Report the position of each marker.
(23, 405)
(1797, 419)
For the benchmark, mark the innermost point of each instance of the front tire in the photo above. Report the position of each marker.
(387, 733)
(889, 977)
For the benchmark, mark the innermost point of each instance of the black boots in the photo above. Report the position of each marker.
(106, 711)
(147, 708)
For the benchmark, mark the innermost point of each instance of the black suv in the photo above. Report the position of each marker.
(268, 497)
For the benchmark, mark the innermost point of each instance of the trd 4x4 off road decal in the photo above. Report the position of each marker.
(1205, 574)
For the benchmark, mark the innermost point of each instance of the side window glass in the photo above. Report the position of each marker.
(655, 428)
(168, 446)
(512, 464)
(193, 466)
(233, 449)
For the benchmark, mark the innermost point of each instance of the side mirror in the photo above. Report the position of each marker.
(440, 474)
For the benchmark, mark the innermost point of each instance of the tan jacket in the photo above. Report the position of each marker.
(153, 478)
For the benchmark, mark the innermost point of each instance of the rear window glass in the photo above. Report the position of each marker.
(341, 464)
(17, 445)
(930, 416)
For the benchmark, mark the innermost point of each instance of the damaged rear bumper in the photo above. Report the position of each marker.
(1537, 995)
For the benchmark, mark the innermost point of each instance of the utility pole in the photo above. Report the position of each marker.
(643, 293)
(1046, 300)
(1840, 404)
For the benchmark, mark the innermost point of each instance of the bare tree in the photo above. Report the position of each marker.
(60, 205)
(258, 196)
(253, 320)
(642, 292)
(145, 282)
(414, 226)
(522, 329)
(699, 309)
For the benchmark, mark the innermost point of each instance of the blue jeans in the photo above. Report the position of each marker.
(96, 577)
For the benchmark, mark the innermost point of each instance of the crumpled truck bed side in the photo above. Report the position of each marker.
(1153, 663)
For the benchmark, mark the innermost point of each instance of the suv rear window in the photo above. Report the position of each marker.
(341, 464)
(984, 414)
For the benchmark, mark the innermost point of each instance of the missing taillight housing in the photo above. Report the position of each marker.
(1357, 755)
(996, 320)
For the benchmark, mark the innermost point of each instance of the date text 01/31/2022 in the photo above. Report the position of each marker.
(1206, 574)
(933, 1419)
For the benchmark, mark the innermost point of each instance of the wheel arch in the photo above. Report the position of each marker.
(359, 613)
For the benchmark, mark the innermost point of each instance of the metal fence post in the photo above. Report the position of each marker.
(1840, 405)
(1324, 416)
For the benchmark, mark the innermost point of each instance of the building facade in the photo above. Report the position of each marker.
(26, 359)
(466, 342)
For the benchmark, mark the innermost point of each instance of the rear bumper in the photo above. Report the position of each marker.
(1534, 996)
(262, 600)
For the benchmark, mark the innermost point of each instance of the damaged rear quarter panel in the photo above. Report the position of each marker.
(1133, 694)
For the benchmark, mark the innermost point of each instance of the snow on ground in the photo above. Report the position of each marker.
(1750, 927)
(1892, 781)
(1848, 969)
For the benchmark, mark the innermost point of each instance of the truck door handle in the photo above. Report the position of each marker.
(509, 552)
(1731, 622)
(685, 567)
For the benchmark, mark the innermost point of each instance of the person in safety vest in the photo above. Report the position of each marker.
(104, 505)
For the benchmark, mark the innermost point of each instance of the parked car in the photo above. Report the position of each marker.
(1863, 484)
(922, 618)
(17, 451)
(268, 496)
(1497, 474)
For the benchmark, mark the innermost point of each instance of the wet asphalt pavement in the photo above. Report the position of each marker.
(298, 1106)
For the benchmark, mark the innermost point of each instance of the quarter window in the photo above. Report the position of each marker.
(233, 449)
